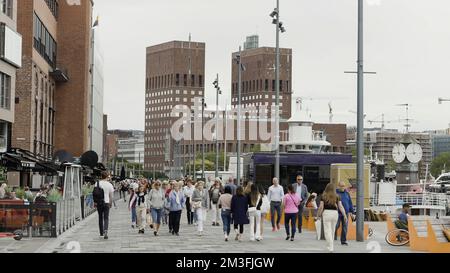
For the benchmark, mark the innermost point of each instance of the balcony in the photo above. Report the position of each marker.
(60, 75)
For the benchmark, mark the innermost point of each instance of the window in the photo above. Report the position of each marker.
(200, 81)
(44, 43)
(5, 91)
(185, 80)
(53, 6)
(192, 80)
(7, 7)
(266, 86)
(281, 85)
(177, 79)
(273, 85)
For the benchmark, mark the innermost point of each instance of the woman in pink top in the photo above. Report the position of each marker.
(291, 202)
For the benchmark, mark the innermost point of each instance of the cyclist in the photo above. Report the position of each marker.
(402, 222)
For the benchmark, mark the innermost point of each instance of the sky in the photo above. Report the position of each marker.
(407, 42)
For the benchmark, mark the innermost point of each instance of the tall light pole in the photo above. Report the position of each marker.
(241, 68)
(279, 28)
(218, 92)
(441, 100)
(360, 126)
(203, 136)
(91, 126)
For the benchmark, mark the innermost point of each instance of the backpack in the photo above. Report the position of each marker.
(98, 195)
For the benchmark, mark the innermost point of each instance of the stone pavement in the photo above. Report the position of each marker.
(84, 238)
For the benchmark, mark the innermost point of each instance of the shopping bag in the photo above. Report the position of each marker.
(319, 229)
(149, 220)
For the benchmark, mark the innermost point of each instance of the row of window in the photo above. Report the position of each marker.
(5, 91)
(257, 85)
(170, 92)
(255, 97)
(44, 42)
(53, 6)
(165, 81)
(6, 6)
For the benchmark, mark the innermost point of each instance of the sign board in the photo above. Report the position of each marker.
(11, 50)
(27, 164)
(347, 173)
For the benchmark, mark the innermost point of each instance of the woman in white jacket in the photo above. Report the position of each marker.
(265, 208)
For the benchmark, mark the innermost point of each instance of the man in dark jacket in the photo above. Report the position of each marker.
(346, 200)
(302, 192)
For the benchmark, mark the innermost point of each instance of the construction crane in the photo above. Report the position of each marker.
(383, 122)
(300, 100)
(407, 120)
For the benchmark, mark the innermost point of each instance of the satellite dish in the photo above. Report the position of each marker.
(89, 159)
(63, 156)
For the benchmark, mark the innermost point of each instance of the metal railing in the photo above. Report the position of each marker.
(415, 199)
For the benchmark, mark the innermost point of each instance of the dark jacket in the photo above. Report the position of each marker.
(346, 201)
(239, 208)
(304, 196)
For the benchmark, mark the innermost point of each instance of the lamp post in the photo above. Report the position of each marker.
(241, 68)
(279, 27)
(218, 92)
(203, 137)
(441, 100)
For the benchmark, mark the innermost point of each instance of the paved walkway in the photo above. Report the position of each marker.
(123, 239)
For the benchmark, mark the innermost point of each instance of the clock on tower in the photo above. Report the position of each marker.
(407, 154)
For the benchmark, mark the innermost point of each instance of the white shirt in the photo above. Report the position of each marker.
(275, 194)
(299, 191)
(188, 191)
(107, 189)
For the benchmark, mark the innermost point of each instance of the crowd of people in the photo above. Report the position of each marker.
(153, 204)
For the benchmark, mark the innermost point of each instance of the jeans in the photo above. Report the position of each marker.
(226, 219)
(133, 216)
(344, 229)
(189, 213)
(103, 218)
(174, 220)
(255, 221)
(275, 206)
(292, 218)
(330, 218)
(156, 216)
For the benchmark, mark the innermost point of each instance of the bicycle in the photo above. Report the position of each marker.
(397, 237)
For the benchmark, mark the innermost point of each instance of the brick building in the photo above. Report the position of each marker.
(258, 87)
(53, 85)
(174, 76)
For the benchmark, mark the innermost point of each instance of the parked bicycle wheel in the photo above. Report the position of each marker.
(397, 237)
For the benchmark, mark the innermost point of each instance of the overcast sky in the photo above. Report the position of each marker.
(407, 42)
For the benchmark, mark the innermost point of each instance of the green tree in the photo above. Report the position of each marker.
(440, 163)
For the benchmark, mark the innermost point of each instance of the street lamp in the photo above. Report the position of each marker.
(241, 68)
(279, 27)
(440, 100)
(218, 92)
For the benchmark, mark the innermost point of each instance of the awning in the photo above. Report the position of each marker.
(14, 161)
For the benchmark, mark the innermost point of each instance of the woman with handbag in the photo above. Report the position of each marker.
(254, 212)
(214, 195)
(328, 211)
(177, 201)
(265, 208)
(156, 205)
(224, 205)
(239, 209)
(200, 201)
(291, 201)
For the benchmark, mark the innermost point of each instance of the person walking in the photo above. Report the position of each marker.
(156, 199)
(328, 212)
(275, 196)
(347, 203)
(177, 201)
(224, 205)
(302, 192)
(141, 208)
(239, 209)
(165, 210)
(103, 195)
(254, 212)
(124, 188)
(132, 208)
(265, 208)
(231, 185)
(214, 195)
(200, 201)
(291, 203)
(188, 190)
